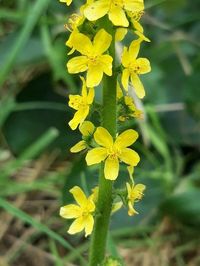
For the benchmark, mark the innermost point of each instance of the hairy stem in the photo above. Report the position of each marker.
(104, 204)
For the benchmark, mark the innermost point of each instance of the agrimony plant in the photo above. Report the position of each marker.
(95, 31)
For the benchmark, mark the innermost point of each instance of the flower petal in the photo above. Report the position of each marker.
(79, 117)
(138, 86)
(79, 195)
(94, 75)
(120, 34)
(96, 156)
(97, 10)
(118, 16)
(125, 57)
(90, 96)
(116, 206)
(126, 138)
(70, 211)
(89, 224)
(81, 145)
(131, 210)
(82, 43)
(106, 64)
(87, 128)
(144, 65)
(74, 101)
(134, 48)
(102, 41)
(125, 78)
(103, 137)
(77, 64)
(77, 226)
(128, 187)
(111, 168)
(129, 157)
(134, 5)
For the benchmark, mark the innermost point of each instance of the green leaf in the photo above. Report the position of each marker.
(184, 207)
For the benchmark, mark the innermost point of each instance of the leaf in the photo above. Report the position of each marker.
(184, 207)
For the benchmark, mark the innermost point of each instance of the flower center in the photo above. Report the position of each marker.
(93, 60)
(135, 68)
(117, 3)
(78, 102)
(73, 22)
(136, 15)
(113, 153)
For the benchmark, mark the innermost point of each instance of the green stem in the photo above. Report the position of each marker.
(104, 204)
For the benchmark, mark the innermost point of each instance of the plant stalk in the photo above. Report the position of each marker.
(104, 203)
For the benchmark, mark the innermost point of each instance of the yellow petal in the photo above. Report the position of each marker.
(129, 157)
(87, 128)
(144, 65)
(102, 41)
(116, 206)
(106, 64)
(79, 117)
(79, 195)
(89, 224)
(70, 211)
(134, 5)
(137, 26)
(138, 189)
(97, 10)
(125, 78)
(77, 64)
(90, 96)
(134, 48)
(119, 91)
(120, 34)
(130, 169)
(84, 88)
(125, 57)
(118, 16)
(81, 145)
(96, 156)
(103, 137)
(141, 36)
(131, 210)
(77, 226)
(68, 2)
(138, 86)
(94, 75)
(126, 138)
(111, 168)
(89, 206)
(128, 187)
(82, 43)
(74, 101)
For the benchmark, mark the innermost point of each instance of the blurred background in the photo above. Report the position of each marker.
(37, 169)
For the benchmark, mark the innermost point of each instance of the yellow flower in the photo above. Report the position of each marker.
(113, 151)
(82, 213)
(86, 129)
(133, 67)
(130, 110)
(92, 59)
(68, 2)
(135, 193)
(116, 10)
(81, 104)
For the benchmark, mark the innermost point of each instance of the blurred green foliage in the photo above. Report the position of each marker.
(34, 87)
